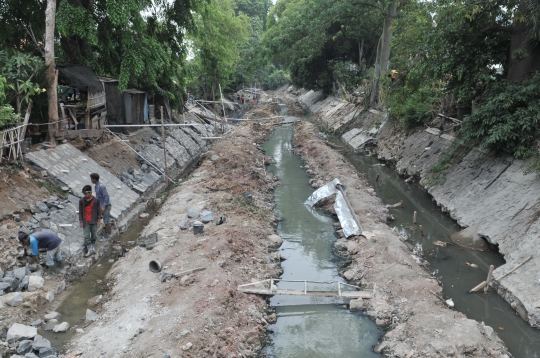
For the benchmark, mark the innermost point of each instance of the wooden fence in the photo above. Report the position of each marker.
(12, 139)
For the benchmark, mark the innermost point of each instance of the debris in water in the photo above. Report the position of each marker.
(397, 205)
(449, 303)
(501, 328)
(471, 264)
(440, 243)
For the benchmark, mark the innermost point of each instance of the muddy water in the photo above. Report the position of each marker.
(450, 264)
(309, 326)
(74, 300)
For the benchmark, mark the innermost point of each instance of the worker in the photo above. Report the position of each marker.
(242, 99)
(43, 240)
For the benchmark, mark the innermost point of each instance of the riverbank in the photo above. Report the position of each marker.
(198, 314)
(405, 302)
(488, 194)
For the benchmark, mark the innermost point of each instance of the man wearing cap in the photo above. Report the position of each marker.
(89, 213)
(43, 240)
(105, 203)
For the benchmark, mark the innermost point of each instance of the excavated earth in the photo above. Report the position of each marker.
(202, 315)
(407, 300)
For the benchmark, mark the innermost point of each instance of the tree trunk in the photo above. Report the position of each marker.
(51, 74)
(214, 85)
(360, 53)
(519, 69)
(384, 56)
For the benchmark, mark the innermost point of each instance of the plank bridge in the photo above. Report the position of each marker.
(337, 289)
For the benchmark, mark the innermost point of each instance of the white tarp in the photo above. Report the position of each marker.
(346, 219)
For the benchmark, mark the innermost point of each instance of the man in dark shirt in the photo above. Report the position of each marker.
(43, 240)
(89, 213)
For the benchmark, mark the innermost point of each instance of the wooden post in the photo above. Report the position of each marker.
(377, 178)
(490, 272)
(22, 133)
(421, 230)
(483, 283)
(414, 218)
(164, 150)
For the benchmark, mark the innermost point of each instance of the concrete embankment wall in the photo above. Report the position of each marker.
(70, 168)
(482, 189)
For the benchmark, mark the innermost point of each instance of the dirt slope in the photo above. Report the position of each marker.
(144, 317)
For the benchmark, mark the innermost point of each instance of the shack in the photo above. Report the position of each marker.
(82, 102)
(129, 107)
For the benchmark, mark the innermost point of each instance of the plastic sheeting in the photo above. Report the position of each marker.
(346, 219)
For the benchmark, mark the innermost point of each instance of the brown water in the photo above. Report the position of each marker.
(74, 304)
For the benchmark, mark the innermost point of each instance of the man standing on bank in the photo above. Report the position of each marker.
(43, 240)
(89, 213)
(105, 202)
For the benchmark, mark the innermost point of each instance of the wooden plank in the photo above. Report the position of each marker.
(84, 133)
(346, 294)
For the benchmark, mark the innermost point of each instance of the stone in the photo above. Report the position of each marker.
(15, 300)
(186, 280)
(49, 352)
(184, 225)
(380, 322)
(144, 167)
(18, 332)
(94, 301)
(42, 207)
(19, 273)
(91, 316)
(30, 355)
(4, 286)
(52, 315)
(207, 216)
(356, 305)
(24, 347)
(40, 343)
(187, 346)
(131, 171)
(35, 283)
(214, 158)
(79, 330)
(192, 214)
(35, 323)
(275, 240)
(49, 326)
(62, 327)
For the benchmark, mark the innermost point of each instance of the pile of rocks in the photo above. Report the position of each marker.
(139, 180)
(19, 280)
(24, 342)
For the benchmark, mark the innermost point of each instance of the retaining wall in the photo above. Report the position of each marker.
(482, 189)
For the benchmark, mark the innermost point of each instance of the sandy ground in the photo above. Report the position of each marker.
(208, 317)
(405, 295)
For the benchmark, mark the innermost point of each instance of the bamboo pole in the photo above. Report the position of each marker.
(484, 283)
(414, 218)
(164, 150)
(490, 272)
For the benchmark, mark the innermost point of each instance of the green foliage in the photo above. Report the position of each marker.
(216, 43)
(413, 108)
(506, 118)
(306, 37)
(277, 79)
(75, 21)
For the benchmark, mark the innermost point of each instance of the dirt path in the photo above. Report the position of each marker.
(208, 317)
(419, 324)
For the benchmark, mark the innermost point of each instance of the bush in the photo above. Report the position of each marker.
(507, 118)
(412, 109)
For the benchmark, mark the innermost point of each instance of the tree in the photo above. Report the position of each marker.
(52, 77)
(308, 37)
(216, 44)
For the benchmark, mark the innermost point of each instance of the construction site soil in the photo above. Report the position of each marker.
(202, 315)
